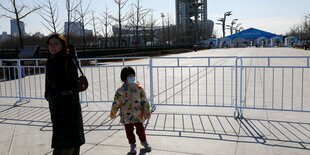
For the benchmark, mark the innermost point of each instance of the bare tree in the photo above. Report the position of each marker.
(49, 14)
(139, 14)
(168, 22)
(121, 18)
(145, 26)
(70, 7)
(302, 30)
(106, 23)
(152, 24)
(131, 25)
(18, 15)
(94, 26)
(306, 27)
(84, 22)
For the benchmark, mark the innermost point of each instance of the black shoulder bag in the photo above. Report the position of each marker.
(82, 80)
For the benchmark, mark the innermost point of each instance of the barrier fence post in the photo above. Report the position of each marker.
(20, 85)
(238, 114)
(241, 90)
(151, 84)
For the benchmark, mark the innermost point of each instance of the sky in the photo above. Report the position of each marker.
(276, 16)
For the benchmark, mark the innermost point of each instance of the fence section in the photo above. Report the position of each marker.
(269, 83)
(273, 83)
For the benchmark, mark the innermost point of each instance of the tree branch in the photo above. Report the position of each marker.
(6, 9)
(6, 16)
(35, 9)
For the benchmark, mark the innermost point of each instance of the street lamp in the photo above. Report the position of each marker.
(233, 22)
(223, 21)
(240, 29)
(220, 20)
(236, 29)
(228, 27)
(163, 16)
(228, 13)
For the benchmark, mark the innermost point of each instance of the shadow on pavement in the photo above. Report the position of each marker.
(211, 127)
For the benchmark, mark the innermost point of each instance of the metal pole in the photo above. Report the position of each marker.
(241, 100)
(236, 114)
(162, 16)
(151, 85)
(20, 85)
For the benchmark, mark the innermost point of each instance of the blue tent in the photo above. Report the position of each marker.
(251, 33)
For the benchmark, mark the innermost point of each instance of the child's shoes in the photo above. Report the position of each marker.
(133, 149)
(147, 146)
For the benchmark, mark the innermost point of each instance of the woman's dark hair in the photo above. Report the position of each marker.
(126, 71)
(62, 40)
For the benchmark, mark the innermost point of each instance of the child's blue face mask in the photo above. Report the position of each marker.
(131, 79)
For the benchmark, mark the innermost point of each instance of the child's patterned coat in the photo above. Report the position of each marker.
(133, 104)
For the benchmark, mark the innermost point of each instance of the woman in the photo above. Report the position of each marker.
(63, 98)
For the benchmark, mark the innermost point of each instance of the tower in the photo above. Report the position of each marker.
(192, 21)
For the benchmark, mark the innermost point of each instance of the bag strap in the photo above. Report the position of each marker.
(78, 66)
(73, 57)
(75, 63)
(66, 71)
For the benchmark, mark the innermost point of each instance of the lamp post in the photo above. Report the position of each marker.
(239, 29)
(223, 21)
(305, 29)
(163, 16)
(232, 25)
(236, 29)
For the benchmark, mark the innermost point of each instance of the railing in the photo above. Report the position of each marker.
(209, 82)
(273, 83)
(104, 77)
(269, 83)
(102, 73)
(22, 80)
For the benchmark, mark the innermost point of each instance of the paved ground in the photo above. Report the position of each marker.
(26, 129)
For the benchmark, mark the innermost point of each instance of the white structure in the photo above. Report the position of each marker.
(14, 27)
(225, 43)
(211, 43)
(256, 37)
(238, 42)
(291, 41)
(76, 28)
(276, 41)
(262, 42)
(129, 34)
(38, 34)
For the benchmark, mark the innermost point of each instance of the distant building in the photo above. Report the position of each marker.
(39, 35)
(88, 32)
(146, 34)
(76, 28)
(4, 36)
(192, 20)
(14, 27)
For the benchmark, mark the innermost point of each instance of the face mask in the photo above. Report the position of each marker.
(131, 79)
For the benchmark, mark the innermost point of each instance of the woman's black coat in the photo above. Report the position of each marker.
(64, 103)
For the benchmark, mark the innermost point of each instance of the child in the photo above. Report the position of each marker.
(134, 108)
